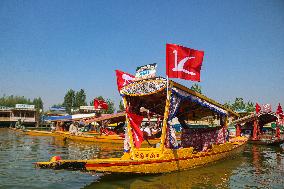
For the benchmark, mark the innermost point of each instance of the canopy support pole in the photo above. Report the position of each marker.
(165, 121)
(255, 130)
(238, 130)
(277, 129)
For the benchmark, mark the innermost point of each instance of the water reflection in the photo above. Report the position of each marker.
(262, 168)
(257, 167)
(18, 152)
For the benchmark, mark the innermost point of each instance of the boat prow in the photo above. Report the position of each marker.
(63, 164)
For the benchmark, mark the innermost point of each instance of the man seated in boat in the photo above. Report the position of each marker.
(52, 127)
(105, 130)
(119, 129)
(156, 131)
(146, 130)
(87, 127)
(73, 129)
(81, 123)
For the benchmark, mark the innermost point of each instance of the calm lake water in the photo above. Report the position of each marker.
(257, 167)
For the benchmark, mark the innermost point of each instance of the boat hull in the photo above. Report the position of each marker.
(153, 160)
(169, 163)
(86, 137)
(41, 133)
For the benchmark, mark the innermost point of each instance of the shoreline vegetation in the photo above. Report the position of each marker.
(74, 99)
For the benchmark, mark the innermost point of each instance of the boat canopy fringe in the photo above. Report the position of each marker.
(144, 87)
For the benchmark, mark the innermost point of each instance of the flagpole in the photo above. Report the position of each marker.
(167, 87)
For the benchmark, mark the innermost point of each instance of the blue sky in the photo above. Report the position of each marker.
(48, 47)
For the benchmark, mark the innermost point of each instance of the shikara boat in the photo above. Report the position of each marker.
(41, 133)
(106, 139)
(86, 137)
(255, 122)
(196, 147)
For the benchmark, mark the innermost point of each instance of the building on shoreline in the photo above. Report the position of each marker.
(26, 113)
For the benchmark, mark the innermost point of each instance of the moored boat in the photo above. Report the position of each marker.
(255, 123)
(41, 133)
(196, 147)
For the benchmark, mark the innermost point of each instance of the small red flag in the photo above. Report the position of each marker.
(135, 122)
(123, 79)
(100, 104)
(257, 108)
(279, 110)
(183, 62)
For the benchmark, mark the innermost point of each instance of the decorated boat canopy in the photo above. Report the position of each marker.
(152, 93)
(262, 117)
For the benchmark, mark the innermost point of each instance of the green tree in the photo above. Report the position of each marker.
(39, 108)
(38, 104)
(111, 107)
(57, 105)
(239, 104)
(11, 101)
(197, 88)
(80, 98)
(227, 105)
(250, 107)
(69, 100)
(121, 107)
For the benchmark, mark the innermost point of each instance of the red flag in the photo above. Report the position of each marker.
(135, 122)
(257, 108)
(100, 104)
(123, 79)
(279, 110)
(183, 62)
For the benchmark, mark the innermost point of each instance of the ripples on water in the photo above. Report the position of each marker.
(257, 167)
